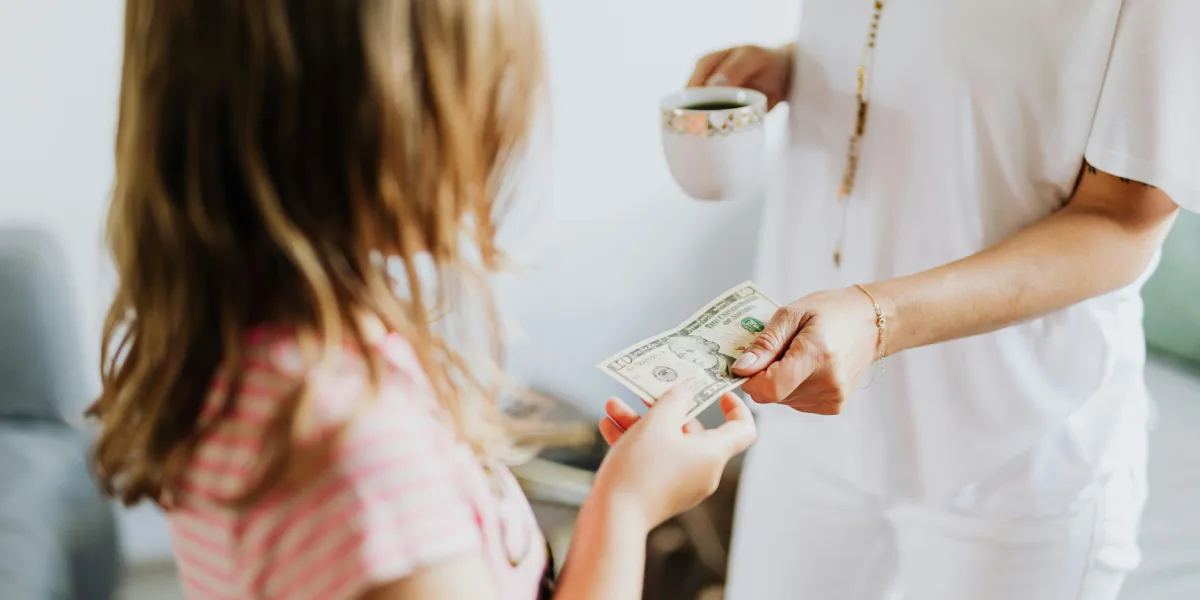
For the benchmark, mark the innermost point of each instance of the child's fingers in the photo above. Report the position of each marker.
(672, 407)
(692, 426)
(734, 408)
(738, 431)
(622, 415)
(609, 431)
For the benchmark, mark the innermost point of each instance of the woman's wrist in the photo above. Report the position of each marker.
(880, 295)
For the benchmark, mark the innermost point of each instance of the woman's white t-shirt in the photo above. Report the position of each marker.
(981, 114)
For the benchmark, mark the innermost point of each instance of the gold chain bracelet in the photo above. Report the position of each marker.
(881, 324)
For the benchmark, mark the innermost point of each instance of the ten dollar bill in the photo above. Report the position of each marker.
(698, 354)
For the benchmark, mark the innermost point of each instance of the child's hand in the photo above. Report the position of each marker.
(620, 417)
(663, 466)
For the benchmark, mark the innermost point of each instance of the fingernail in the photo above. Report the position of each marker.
(717, 79)
(745, 361)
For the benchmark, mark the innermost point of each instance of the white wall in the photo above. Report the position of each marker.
(623, 252)
(627, 253)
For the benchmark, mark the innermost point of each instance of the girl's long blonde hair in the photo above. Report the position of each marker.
(267, 154)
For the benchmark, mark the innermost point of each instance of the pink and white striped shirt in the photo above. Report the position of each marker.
(399, 491)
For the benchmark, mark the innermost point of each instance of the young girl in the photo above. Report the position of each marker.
(297, 412)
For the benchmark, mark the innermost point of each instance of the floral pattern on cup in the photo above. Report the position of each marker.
(714, 123)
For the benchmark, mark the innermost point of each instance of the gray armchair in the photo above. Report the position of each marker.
(58, 536)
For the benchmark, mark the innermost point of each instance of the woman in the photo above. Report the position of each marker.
(1000, 203)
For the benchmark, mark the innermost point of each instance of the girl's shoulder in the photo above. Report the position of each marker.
(278, 395)
(275, 375)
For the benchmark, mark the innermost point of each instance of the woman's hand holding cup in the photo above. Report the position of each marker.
(712, 132)
(766, 70)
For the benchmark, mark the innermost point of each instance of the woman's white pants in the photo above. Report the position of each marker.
(803, 532)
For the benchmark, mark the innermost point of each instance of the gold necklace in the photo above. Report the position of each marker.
(865, 68)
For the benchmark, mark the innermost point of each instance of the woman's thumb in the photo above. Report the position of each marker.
(771, 343)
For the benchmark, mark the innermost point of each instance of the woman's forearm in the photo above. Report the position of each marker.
(607, 558)
(1084, 250)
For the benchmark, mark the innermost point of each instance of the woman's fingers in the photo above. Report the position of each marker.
(782, 380)
(706, 67)
(771, 343)
(738, 68)
(742, 66)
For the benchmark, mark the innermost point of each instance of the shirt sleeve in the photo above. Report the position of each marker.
(393, 499)
(1147, 124)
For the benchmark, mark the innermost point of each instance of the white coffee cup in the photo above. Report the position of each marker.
(714, 153)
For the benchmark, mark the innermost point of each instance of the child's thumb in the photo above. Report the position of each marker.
(732, 438)
(738, 431)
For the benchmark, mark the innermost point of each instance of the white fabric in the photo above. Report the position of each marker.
(811, 533)
(1146, 126)
(981, 113)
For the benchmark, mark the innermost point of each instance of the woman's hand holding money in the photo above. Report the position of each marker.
(813, 353)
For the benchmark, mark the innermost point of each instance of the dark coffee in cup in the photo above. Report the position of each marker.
(718, 105)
